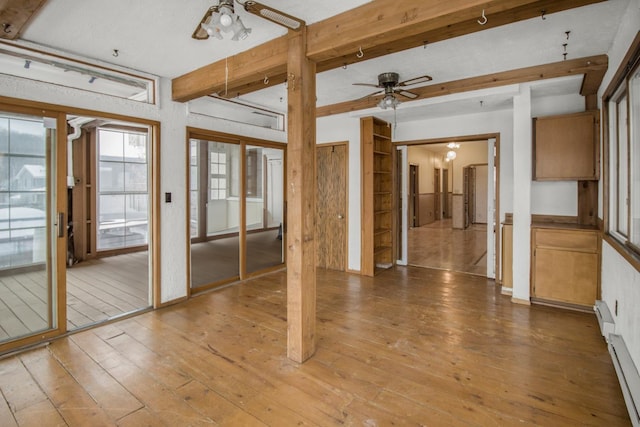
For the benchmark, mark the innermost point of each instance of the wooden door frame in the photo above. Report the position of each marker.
(243, 142)
(476, 138)
(346, 193)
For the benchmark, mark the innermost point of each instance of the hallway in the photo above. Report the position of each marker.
(437, 245)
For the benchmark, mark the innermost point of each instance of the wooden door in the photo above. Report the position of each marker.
(446, 206)
(331, 207)
(414, 201)
(437, 195)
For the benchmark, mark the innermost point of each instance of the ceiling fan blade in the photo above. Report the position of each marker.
(416, 80)
(200, 33)
(406, 93)
(380, 92)
(274, 15)
(366, 84)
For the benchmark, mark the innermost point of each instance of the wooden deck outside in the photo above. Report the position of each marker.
(97, 290)
(411, 346)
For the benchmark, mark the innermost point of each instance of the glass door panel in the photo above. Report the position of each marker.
(264, 200)
(27, 225)
(214, 212)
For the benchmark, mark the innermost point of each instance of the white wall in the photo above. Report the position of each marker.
(469, 153)
(620, 280)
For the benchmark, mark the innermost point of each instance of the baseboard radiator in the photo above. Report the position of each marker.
(605, 319)
(627, 376)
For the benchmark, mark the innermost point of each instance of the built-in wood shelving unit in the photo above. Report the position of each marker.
(377, 252)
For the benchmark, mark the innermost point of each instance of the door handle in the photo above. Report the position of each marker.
(340, 216)
(60, 224)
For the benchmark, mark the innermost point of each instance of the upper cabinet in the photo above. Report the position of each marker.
(566, 147)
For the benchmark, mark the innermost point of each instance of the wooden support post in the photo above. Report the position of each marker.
(301, 185)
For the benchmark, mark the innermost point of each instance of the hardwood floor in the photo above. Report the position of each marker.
(438, 245)
(411, 346)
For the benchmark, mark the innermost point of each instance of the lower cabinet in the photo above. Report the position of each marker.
(565, 266)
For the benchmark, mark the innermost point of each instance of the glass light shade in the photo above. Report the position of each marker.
(240, 32)
(451, 155)
(389, 101)
(227, 17)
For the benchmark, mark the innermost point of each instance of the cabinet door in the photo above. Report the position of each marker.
(566, 276)
(565, 147)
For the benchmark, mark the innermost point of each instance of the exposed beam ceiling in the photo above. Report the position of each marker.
(378, 28)
(593, 68)
(14, 15)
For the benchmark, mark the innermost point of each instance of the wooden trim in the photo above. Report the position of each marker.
(626, 66)
(50, 109)
(627, 63)
(213, 285)
(242, 198)
(61, 206)
(539, 72)
(553, 219)
(155, 201)
(197, 133)
(378, 28)
(187, 219)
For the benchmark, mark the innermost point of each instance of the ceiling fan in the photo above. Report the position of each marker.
(222, 18)
(391, 86)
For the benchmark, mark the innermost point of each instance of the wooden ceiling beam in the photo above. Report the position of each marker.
(14, 15)
(378, 28)
(226, 77)
(592, 67)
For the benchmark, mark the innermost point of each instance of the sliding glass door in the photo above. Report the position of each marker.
(31, 229)
(236, 209)
(264, 207)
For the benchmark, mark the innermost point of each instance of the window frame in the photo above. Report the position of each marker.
(618, 89)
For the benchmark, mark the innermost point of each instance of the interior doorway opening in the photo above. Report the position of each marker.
(450, 214)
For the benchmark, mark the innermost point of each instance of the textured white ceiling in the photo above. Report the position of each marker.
(154, 36)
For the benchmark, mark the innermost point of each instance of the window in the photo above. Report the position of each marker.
(623, 109)
(217, 171)
(193, 187)
(52, 68)
(23, 191)
(122, 189)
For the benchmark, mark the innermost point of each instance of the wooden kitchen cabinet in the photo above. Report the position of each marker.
(566, 147)
(565, 266)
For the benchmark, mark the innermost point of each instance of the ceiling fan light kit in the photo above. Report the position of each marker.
(222, 18)
(391, 84)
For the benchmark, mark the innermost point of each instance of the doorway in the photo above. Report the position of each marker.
(331, 209)
(469, 177)
(49, 279)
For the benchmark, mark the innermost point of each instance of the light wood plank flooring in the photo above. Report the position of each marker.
(411, 346)
(438, 245)
(97, 290)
